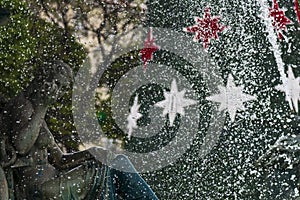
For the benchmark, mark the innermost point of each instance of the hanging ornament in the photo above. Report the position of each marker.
(279, 20)
(231, 98)
(133, 116)
(101, 116)
(205, 28)
(148, 49)
(291, 90)
(174, 102)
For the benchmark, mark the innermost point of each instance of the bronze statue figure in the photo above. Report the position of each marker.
(34, 165)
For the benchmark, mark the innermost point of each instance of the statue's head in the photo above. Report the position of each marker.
(51, 81)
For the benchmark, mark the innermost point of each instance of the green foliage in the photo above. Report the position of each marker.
(17, 47)
(26, 43)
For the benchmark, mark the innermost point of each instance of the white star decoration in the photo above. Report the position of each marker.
(231, 98)
(291, 90)
(133, 116)
(174, 102)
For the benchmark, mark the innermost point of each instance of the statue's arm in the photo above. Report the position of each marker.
(63, 160)
(27, 134)
(68, 160)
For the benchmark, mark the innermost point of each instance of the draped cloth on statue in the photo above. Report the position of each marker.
(113, 184)
(118, 181)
